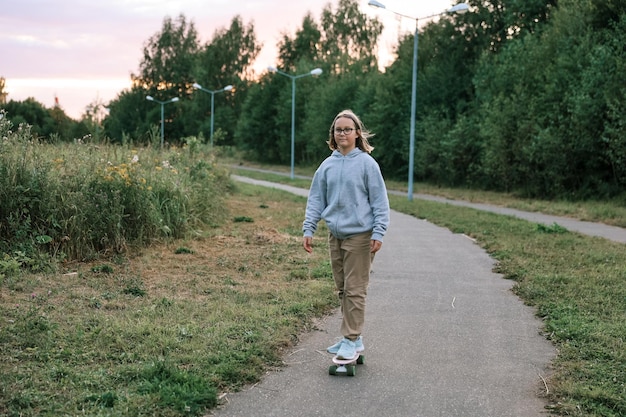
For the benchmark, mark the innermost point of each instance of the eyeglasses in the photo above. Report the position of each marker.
(345, 131)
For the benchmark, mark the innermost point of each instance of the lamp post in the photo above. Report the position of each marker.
(459, 8)
(212, 92)
(316, 71)
(162, 103)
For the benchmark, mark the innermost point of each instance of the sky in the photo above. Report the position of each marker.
(82, 51)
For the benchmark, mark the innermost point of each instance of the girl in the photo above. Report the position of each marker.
(349, 193)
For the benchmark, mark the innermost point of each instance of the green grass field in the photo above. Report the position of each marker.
(165, 329)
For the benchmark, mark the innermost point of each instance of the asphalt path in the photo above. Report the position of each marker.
(613, 233)
(444, 336)
(605, 231)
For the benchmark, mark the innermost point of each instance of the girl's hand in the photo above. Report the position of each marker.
(307, 243)
(375, 246)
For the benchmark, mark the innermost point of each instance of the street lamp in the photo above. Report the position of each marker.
(459, 8)
(316, 71)
(212, 92)
(162, 103)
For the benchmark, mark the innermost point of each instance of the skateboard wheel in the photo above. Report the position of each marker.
(351, 370)
(332, 370)
(360, 360)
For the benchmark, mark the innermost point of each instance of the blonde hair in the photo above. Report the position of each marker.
(361, 140)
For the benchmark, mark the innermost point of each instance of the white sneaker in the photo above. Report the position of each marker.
(359, 347)
(334, 348)
(347, 350)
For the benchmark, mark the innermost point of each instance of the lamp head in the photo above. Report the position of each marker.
(459, 8)
(316, 71)
(271, 69)
(375, 3)
(228, 88)
(174, 99)
(196, 85)
(149, 98)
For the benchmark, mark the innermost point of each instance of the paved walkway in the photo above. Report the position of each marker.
(444, 336)
(614, 233)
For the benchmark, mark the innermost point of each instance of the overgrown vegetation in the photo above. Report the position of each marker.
(165, 331)
(76, 201)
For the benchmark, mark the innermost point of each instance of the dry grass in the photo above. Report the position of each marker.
(217, 309)
(245, 252)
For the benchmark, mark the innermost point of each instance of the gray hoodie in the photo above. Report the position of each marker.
(349, 193)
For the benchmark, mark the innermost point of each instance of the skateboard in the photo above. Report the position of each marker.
(346, 366)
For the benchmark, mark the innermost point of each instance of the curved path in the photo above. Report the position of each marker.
(444, 336)
(613, 233)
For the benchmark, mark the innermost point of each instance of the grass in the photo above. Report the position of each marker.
(166, 330)
(75, 201)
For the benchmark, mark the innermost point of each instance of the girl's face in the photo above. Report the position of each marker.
(345, 134)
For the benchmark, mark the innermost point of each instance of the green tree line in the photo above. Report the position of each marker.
(525, 97)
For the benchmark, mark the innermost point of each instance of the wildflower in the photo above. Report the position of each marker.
(135, 159)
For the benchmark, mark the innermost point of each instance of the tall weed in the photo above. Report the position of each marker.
(76, 201)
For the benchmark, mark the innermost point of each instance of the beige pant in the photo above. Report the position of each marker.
(351, 261)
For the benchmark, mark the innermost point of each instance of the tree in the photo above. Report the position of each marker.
(225, 60)
(493, 22)
(449, 51)
(255, 134)
(129, 116)
(168, 69)
(33, 113)
(344, 46)
(303, 48)
(605, 13)
(548, 104)
(46, 124)
(349, 38)
(169, 59)
(230, 53)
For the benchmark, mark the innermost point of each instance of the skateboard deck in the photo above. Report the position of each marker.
(346, 366)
